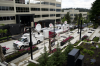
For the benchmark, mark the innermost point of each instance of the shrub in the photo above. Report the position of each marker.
(96, 39)
(76, 43)
(87, 59)
(80, 47)
(85, 50)
(92, 48)
(90, 52)
(32, 64)
(81, 53)
(97, 55)
(98, 52)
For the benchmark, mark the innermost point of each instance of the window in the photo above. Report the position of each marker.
(45, 15)
(52, 15)
(84, 14)
(46, 3)
(6, 8)
(35, 1)
(52, 4)
(44, 9)
(36, 16)
(35, 9)
(58, 10)
(3, 18)
(71, 14)
(58, 0)
(57, 15)
(22, 9)
(22, 1)
(58, 5)
(52, 9)
(74, 14)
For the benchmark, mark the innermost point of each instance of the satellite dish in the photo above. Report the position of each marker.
(38, 28)
(65, 22)
(51, 25)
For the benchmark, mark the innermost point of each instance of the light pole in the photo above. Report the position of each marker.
(30, 44)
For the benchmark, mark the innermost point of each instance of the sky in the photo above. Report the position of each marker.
(77, 3)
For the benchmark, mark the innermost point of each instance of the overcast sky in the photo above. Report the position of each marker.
(77, 3)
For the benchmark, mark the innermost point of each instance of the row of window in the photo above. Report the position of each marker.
(22, 1)
(78, 14)
(25, 9)
(51, 15)
(6, 8)
(36, 2)
(22, 9)
(7, 18)
(45, 9)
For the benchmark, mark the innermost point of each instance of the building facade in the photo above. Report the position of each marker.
(73, 12)
(41, 9)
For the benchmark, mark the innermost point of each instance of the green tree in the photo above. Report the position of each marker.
(76, 18)
(44, 58)
(95, 11)
(58, 57)
(63, 19)
(1, 32)
(5, 31)
(68, 49)
(67, 16)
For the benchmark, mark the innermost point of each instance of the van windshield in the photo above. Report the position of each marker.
(21, 39)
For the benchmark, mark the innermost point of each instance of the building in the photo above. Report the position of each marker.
(73, 12)
(26, 11)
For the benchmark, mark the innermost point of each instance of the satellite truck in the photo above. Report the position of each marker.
(25, 39)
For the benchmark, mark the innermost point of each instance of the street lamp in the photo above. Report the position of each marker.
(30, 44)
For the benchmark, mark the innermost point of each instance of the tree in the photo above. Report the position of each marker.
(58, 57)
(68, 49)
(67, 16)
(76, 18)
(95, 11)
(1, 32)
(5, 31)
(43, 60)
(63, 19)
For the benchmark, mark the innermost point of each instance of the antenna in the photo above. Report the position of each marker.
(38, 28)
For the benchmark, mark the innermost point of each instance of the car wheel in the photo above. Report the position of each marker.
(22, 47)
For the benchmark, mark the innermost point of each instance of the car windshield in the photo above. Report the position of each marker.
(21, 39)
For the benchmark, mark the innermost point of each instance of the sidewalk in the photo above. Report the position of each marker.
(96, 33)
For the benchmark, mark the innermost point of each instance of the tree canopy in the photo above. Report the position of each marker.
(95, 10)
(67, 16)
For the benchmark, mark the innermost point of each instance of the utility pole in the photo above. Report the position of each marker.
(30, 44)
(80, 29)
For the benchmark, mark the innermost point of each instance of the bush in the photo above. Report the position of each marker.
(32, 64)
(92, 48)
(96, 39)
(85, 50)
(80, 47)
(76, 43)
(90, 52)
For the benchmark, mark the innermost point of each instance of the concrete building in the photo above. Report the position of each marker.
(26, 11)
(73, 12)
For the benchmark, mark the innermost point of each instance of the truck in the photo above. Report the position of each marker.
(25, 40)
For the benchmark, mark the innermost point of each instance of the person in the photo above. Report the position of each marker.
(2, 58)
